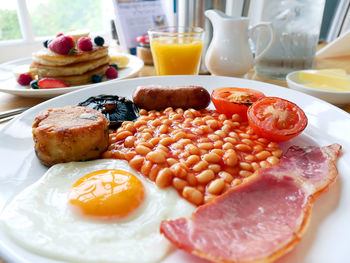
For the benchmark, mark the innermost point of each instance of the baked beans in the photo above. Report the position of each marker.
(199, 153)
(164, 178)
(206, 176)
(193, 195)
(179, 184)
(216, 186)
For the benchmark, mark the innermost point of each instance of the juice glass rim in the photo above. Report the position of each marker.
(161, 30)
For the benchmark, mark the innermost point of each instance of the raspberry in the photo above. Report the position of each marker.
(24, 79)
(112, 73)
(85, 44)
(63, 45)
(114, 66)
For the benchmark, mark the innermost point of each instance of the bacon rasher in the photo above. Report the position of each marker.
(264, 218)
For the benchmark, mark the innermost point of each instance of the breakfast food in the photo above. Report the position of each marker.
(84, 44)
(158, 97)
(24, 79)
(63, 45)
(73, 60)
(201, 153)
(326, 79)
(112, 73)
(231, 100)
(71, 133)
(44, 220)
(76, 34)
(263, 219)
(121, 61)
(116, 109)
(99, 41)
(276, 119)
(76, 68)
(48, 83)
(213, 160)
(47, 57)
(20, 69)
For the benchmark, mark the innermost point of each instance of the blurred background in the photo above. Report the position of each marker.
(25, 24)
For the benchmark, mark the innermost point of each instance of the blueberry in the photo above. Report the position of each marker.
(99, 41)
(47, 42)
(96, 78)
(114, 66)
(34, 84)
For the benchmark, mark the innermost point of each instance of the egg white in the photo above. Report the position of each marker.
(40, 219)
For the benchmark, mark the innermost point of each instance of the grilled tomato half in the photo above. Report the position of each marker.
(276, 119)
(230, 101)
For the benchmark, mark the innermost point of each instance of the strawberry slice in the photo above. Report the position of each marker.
(49, 83)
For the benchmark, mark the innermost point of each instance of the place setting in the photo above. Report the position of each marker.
(206, 133)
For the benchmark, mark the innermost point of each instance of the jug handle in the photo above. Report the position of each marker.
(271, 31)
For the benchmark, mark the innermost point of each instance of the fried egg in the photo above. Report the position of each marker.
(96, 211)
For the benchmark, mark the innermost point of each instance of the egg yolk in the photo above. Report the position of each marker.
(108, 194)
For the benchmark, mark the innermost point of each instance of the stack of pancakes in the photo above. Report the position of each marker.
(75, 69)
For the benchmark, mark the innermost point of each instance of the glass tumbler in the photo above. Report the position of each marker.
(176, 50)
(297, 25)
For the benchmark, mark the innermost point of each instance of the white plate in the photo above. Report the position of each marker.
(9, 84)
(335, 97)
(327, 238)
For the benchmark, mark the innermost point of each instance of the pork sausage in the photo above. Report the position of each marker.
(159, 97)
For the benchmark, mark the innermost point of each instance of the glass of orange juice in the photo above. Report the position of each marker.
(176, 50)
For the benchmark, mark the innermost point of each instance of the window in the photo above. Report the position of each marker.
(50, 17)
(9, 23)
(27, 23)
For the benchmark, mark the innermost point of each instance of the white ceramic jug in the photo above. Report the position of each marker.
(229, 53)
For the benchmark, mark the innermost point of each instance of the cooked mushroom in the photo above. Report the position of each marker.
(116, 109)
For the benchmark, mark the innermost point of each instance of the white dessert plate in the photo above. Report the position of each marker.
(327, 238)
(334, 97)
(9, 84)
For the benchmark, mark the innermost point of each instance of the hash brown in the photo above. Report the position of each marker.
(71, 133)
